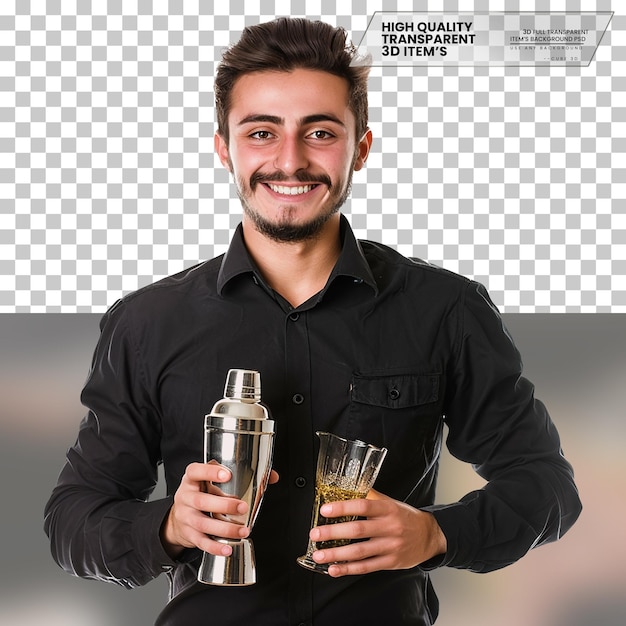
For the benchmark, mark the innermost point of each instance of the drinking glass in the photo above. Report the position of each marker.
(345, 470)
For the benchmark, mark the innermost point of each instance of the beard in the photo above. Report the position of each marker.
(285, 230)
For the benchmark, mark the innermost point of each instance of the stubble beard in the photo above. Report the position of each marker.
(285, 230)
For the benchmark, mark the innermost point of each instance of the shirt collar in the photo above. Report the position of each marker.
(351, 263)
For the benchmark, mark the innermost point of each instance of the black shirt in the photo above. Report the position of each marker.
(391, 351)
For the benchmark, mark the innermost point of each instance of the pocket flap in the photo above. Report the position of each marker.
(395, 391)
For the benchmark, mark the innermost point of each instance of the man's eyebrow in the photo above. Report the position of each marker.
(260, 117)
(255, 118)
(321, 117)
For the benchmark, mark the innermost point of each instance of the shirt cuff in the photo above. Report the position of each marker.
(461, 531)
(147, 535)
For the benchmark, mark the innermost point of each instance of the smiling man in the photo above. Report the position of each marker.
(293, 167)
(292, 149)
(351, 338)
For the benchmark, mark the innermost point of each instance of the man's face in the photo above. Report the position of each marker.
(292, 150)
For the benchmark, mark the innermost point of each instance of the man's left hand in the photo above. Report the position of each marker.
(397, 536)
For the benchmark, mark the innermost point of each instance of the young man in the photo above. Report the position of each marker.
(349, 337)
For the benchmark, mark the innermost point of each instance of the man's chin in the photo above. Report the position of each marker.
(290, 231)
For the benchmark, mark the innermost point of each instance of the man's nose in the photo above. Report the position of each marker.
(291, 155)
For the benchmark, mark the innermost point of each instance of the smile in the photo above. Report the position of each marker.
(291, 191)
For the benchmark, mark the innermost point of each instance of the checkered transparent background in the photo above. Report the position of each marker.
(514, 176)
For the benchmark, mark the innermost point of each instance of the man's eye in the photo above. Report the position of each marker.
(321, 134)
(261, 134)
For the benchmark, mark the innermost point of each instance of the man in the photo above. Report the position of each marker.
(349, 337)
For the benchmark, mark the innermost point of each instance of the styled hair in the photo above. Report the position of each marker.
(286, 44)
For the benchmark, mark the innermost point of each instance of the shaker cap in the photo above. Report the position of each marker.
(243, 385)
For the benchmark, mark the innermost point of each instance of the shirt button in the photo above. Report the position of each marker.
(298, 398)
(294, 317)
(300, 482)
(394, 393)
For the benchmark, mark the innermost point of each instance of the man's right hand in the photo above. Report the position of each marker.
(188, 525)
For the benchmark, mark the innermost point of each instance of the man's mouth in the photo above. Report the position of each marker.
(295, 190)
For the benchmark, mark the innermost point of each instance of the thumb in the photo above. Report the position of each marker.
(372, 494)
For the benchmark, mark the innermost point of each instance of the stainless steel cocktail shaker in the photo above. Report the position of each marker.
(238, 434)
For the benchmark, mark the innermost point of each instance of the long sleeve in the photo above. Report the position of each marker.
(496, 424)
(98, 518)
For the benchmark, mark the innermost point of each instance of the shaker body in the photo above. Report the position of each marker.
(243, 446)
(238, 435)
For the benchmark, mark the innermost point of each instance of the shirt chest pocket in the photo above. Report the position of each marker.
(399, 411)
(402, 391)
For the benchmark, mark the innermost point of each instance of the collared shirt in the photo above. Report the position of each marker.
(392, 351)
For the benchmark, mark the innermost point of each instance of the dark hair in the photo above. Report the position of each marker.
(286, 44)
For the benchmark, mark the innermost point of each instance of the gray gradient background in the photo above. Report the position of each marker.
(577, 361)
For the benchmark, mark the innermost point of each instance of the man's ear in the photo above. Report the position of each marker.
(363, 150)
(221, 149)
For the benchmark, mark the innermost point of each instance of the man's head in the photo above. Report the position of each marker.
(286, 44)
(292, 116)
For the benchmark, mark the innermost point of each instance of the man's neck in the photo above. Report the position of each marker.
(296, 270)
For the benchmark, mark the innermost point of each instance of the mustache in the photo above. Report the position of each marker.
(279, 177)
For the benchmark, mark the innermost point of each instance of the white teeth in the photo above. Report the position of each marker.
(290, 191)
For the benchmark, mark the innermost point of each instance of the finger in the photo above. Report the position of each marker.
(357, 529)
(358, 568)
(207, 472)
(210, 545)
(219, 528)
(372, 494)
(212, 503)
(274, 477)
(360, 557)
(359, 507)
